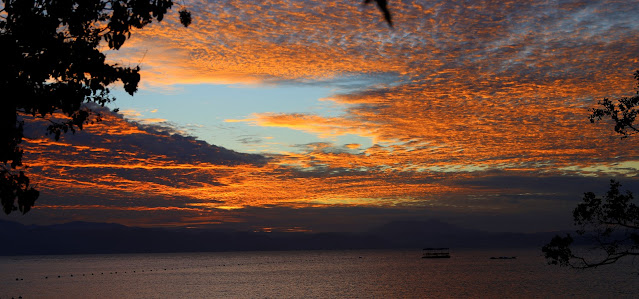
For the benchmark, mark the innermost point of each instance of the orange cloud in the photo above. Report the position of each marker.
(454, 92)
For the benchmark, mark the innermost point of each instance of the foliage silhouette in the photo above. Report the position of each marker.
(52, 65)
(610, 223)
(623, 112)
(383, 7)
(185, 17)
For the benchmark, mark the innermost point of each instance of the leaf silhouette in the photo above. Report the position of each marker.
(383, 7)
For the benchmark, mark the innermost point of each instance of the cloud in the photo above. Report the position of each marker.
(132, 172)
(322, 126)
(121, 171)
(245, 42)
(470, 107)
(462, 85)
(465, 50)
(500, 84)
(353, 145)
(138, 116)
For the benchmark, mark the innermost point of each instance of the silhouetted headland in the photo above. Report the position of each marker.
(94, 238)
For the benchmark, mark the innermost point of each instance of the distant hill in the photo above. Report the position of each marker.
(435, 233)
(82, 225)
(89, 237)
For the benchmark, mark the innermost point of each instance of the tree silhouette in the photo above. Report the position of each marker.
(610, 223)
(622, 112)
(51, 63)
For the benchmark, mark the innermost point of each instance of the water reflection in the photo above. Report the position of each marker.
(306, 274)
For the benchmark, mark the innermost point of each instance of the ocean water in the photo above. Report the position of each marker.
(310, 274)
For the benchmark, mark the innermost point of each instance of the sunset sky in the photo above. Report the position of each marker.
(317, 116)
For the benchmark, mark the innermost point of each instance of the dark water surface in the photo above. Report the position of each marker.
(309, 274)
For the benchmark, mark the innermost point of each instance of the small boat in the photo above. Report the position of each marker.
(436, 253)
(503, 257)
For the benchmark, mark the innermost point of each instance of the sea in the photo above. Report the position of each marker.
(311, 274)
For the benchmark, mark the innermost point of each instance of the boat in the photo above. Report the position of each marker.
(503, 257)
(436, 253)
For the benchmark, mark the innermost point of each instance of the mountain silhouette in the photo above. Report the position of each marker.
(92, 238)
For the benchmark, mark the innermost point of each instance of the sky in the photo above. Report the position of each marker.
(317, 116)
